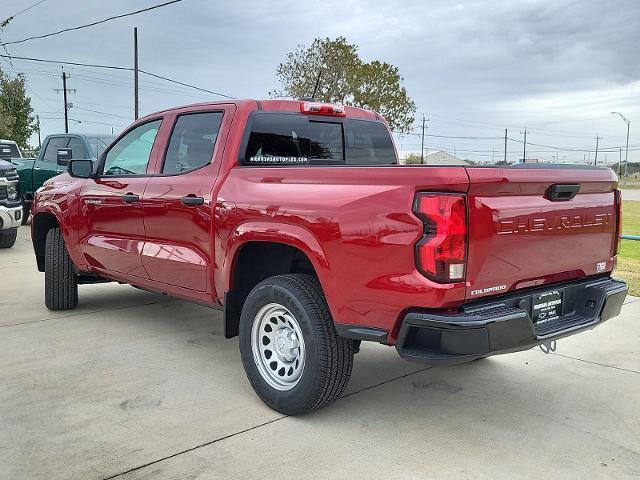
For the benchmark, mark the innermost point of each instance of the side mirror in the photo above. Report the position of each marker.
(64, 155)
(80, 168)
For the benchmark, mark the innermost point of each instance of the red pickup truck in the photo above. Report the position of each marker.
(294, 218)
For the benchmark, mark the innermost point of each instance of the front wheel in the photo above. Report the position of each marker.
(292, 355)
(8, 237)
(60, 279)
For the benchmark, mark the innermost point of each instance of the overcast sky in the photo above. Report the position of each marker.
(473, 68)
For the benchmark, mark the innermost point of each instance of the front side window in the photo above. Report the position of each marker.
(286, 139)
(51, 152)
(192, 142)
(130, 155)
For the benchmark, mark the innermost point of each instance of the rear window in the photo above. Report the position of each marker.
(285, 139)
(9, 150)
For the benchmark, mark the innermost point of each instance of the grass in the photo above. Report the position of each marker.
(629, 258)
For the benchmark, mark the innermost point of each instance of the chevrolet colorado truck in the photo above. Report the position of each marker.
(52, 160)
(10, 207)
(295, 220)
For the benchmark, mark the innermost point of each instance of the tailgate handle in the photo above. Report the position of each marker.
(562, 193)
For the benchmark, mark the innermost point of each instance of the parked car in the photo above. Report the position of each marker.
(52, 160)
(10, 207)
(9, 149)
(294, 218)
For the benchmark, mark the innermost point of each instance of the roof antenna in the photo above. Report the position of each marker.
(315, 89)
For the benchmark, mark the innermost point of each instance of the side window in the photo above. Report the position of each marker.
(51, 151)
(78, 151)
(130, 155)
(192, 142)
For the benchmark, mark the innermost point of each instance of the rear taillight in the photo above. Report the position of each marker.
(442, 251)
(618, 239)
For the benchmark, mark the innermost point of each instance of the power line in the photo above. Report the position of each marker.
(115, 67)
(11, 17)
(92, 24)
(101, 113)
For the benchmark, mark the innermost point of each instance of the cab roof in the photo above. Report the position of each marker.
(280, 106)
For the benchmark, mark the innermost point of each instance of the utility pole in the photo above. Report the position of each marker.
(524, 145)
(595, 160)
(626, 155)
(67, 105)
(505, 145)
(40, 141)
(493, 156)
(424, 121)
(620, 164)
(135, 73)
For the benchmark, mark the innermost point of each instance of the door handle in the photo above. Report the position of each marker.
(130, 198)
(192, 200)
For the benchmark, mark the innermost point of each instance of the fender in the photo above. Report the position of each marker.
(61, 206)
(276, 232)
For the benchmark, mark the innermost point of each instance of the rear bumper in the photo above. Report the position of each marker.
(504, 325)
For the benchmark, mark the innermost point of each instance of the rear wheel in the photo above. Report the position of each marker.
(292, 355)
(60, 279)
(8, 237)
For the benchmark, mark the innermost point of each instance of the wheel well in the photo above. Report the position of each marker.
(42, 223)
(255, 262)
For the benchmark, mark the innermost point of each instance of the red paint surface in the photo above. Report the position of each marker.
(354, 223)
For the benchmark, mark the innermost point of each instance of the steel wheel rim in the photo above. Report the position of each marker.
(278, 346)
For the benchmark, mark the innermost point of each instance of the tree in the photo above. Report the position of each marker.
(342, 77)
(413, 159)
(16, 119)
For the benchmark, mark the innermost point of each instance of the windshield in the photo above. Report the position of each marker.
(99, 143)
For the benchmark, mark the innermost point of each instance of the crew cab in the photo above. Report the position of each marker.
(52, 160)
(294, 218)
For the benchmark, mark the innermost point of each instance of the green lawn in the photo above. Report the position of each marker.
(629, 258)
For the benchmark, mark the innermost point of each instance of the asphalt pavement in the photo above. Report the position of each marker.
(134, 385)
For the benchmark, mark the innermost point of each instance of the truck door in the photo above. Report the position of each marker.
(46, 165)
(113, 234)
(179, 203)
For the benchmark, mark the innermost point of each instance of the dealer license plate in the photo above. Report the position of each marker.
(546, 307)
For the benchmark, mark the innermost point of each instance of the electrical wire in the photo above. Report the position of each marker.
(115, 67)
(11, 17)
(92, 24)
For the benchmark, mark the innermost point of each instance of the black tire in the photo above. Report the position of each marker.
(8, 237)
(26, 211)
(328, 357)
(60, 280)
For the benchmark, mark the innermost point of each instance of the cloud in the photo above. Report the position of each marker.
(473, 67)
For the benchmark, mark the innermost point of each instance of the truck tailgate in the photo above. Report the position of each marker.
(519, 237)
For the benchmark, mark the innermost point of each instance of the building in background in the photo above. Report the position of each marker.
(437, 158)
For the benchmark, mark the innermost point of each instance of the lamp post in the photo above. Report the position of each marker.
(626, 155)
